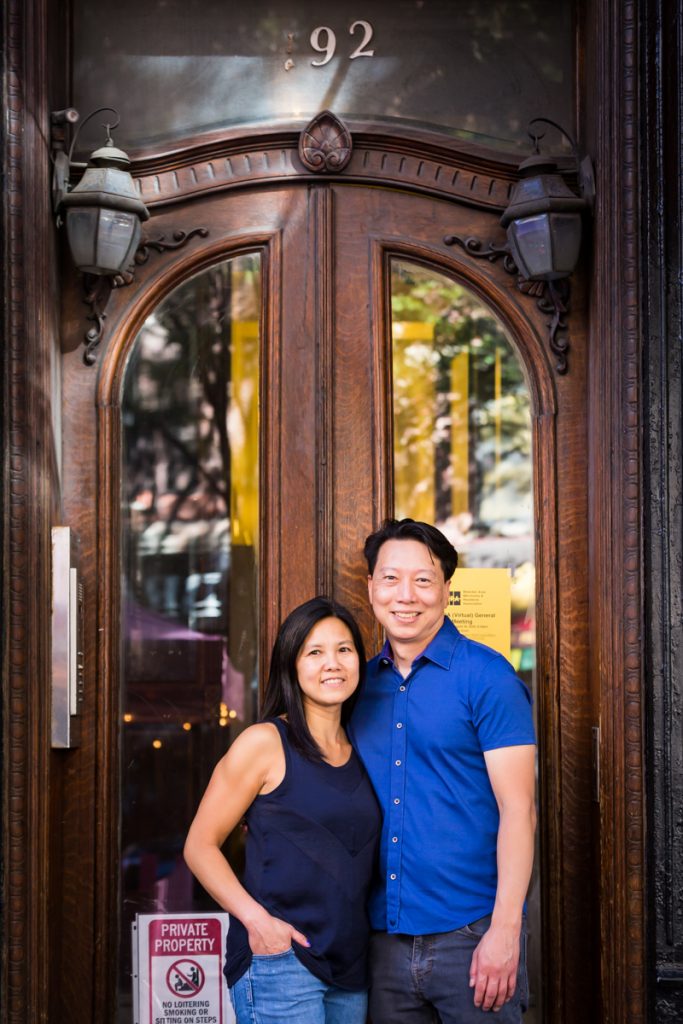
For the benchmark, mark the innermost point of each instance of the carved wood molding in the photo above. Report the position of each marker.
(323, 200)
(631, 496)
(663, 491)
(16, 593)
(26, 511)
(617, 514)
(414, 162)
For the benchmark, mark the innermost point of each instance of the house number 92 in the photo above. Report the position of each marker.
(324, 41)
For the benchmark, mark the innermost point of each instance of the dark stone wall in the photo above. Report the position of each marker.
(662, 232)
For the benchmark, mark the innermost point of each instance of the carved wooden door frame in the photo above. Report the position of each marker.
(32, 780)
(471, 189)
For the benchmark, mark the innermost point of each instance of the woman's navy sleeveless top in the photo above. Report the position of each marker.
(310, 854)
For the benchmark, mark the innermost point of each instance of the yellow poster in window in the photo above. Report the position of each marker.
(479, 605)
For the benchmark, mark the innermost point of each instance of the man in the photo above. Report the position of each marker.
(445, 729)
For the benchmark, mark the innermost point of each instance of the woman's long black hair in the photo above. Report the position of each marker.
(283, 693)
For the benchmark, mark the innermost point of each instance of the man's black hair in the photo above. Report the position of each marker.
(410, 529)
(283, 693)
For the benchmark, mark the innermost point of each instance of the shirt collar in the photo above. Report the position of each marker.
(439, 650)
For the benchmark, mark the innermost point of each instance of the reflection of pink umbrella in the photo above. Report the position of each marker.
(162, 648)
(172, 672)
(233, 686)
(147, 622)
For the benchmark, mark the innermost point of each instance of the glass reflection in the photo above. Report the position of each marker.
(190, 541)
(479, 71)
(462, 455)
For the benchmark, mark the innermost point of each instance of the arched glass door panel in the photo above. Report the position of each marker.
(463, 461)
(190, 513)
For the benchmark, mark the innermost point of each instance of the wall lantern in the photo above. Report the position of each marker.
(544, 216)
(103, 212)
(544, 221)
(104, 216)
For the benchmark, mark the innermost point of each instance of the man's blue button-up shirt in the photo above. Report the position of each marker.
(423, 740)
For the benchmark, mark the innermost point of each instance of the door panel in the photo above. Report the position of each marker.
(371, 227)
(326, 461)
(86, 917)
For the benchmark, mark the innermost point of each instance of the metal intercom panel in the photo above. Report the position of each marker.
(67, 657)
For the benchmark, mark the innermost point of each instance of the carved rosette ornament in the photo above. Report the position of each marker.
(325, 144)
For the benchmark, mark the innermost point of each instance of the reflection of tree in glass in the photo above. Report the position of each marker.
(179, 391)
(461, 406)
(179, 412)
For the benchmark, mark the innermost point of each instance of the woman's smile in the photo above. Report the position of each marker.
(327, 666)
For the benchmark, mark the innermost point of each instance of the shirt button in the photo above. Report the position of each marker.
(399, 725)
(396, 800)
(392, 877)
(401, 688)
(398, 763)
(394, 839)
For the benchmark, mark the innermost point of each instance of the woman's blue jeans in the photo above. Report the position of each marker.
(277, 989)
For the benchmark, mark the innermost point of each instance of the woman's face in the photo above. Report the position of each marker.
(327, 665)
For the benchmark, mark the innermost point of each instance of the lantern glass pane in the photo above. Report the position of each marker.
(531, 243)
(81, 230)
(117, 230)
(565, 230)
(134, 242)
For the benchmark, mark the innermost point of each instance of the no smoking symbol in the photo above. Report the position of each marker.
(185, 978)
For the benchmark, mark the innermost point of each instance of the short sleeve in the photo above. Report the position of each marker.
(501, 706)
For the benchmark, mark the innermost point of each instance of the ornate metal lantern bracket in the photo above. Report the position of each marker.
(97, 289)
(552, 297)
(543, 221)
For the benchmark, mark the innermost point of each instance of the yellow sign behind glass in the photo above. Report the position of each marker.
(479, 605)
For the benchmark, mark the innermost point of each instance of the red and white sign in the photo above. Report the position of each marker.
(179, 961)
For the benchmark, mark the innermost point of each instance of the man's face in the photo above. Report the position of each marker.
(408, 592)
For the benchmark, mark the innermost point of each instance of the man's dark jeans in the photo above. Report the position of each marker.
(424, 979)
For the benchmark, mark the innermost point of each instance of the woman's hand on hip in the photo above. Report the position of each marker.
(270, 935)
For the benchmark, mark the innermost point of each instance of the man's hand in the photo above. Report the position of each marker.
(493, 971)
(271, 935)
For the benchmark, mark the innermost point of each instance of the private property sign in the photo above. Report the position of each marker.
(177, 969)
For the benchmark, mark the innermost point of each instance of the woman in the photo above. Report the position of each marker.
(296, 948)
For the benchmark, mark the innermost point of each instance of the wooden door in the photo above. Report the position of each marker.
(327, 424)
